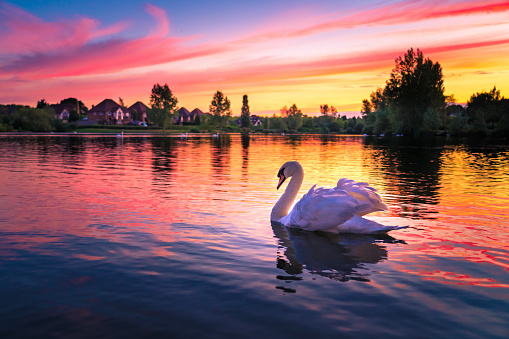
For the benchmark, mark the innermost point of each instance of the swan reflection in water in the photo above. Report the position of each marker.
(340, 257)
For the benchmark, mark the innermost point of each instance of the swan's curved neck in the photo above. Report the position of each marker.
(283, 205)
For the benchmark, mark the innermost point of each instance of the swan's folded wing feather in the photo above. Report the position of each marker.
(363, 193)
(322, 209)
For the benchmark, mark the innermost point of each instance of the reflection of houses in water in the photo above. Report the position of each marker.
(340, 257)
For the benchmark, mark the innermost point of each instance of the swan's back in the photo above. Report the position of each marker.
(363, 193)
(324, 208)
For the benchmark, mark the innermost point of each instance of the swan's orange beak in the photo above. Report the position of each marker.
(282, 179)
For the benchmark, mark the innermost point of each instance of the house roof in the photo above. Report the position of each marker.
(107, 105)
(139, 106)
(59, 108)
(196, 111)
(183, 112)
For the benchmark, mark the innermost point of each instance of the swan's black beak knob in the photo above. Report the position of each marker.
(281, 177)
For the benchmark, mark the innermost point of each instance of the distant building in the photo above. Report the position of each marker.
(184, 116)
(109, 112)
(141, 111)
(63, 111)
(255, 120)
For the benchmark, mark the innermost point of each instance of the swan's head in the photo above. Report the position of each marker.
(287, 170)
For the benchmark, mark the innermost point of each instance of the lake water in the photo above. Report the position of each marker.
(150, 236)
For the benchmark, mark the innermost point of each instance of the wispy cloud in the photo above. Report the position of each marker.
(37, 49)
(24, 33)
(393, 14)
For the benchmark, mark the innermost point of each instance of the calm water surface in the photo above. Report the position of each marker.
(164, 237)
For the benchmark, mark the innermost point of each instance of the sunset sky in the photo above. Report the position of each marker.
(277, 52)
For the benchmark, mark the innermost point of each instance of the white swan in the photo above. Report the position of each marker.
(337, 210)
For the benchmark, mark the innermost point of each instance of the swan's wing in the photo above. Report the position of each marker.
(362, 225)
(363, 193)
(323, 209)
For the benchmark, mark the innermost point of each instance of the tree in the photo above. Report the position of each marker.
(333, 111)
(42, 103)
(485, 108)
(121, 102)
(245, 117)
(34, 119)
(73, 116)
(415, 86)
(220, 108)
(295, 117)
(366, 107)
(266, 123)
(378, 100)
(134, 114)
(324, 109)
(163, 105)
(80, 106)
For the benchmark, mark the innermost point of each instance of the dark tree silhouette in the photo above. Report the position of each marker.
(245, 118)
(163, 105)
(220, 108)
(416, 86)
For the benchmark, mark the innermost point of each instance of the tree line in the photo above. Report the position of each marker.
(412, 102)
(40, 118)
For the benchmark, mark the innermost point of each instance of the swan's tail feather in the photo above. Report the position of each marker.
(361, 225)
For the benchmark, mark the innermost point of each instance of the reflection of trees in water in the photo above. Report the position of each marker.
(245, 156)
(163, 159)
(340, 257)
(411, 169)
(295, 140)
(220, 157)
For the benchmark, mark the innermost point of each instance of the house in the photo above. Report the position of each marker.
(63, 111)
(184, 116)
(138, 111)
(109, 112)
(255, 121)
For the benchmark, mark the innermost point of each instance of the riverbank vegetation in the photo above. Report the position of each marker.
(412, 102)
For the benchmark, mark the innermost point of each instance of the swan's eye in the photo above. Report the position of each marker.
(281, 172)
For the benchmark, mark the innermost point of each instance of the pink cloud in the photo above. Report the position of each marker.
(399, 13)
(23, 32)
(36, 49)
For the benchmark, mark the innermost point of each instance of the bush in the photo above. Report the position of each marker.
(5, 127)
(34, 119)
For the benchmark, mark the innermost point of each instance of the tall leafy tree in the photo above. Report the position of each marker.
(378, 100)
(415, 86)
(220, 108)
(485, 108)
(366, 107)
(80, 106)
(245, 117)
(163, 105)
